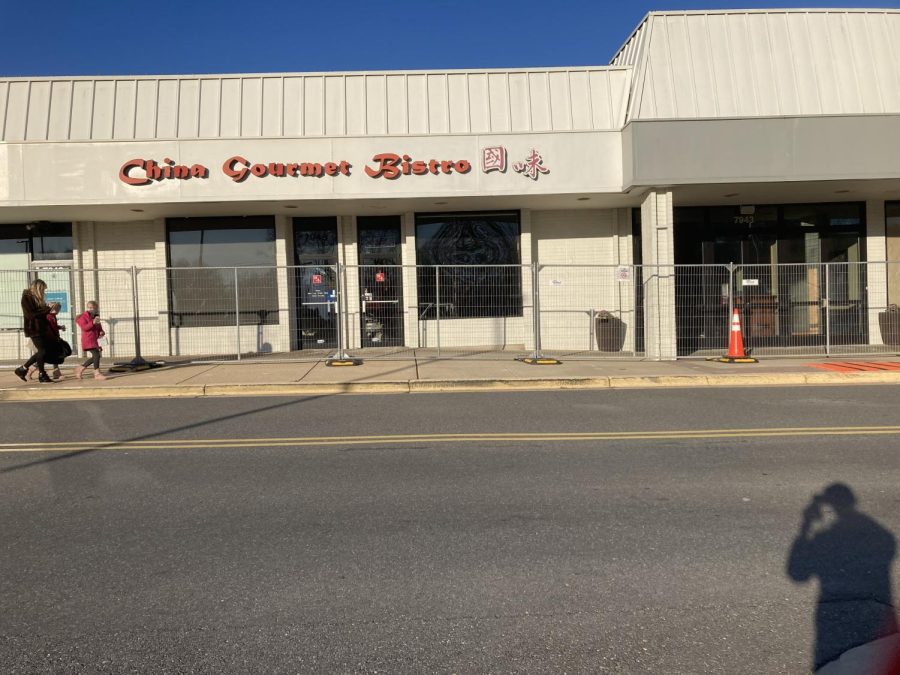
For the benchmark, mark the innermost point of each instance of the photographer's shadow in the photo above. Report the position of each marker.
(851, 554)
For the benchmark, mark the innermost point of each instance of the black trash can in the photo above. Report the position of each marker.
(610, 332)
(889, 323)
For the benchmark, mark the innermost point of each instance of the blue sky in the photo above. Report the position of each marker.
(128, 37)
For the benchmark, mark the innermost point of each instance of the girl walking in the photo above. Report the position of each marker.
(34, 314)
(91, 332)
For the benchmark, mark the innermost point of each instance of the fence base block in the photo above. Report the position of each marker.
(542, 361)
(734, 359)
(340, 363)
(135, 365)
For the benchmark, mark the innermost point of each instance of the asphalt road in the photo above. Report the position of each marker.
(610, 552)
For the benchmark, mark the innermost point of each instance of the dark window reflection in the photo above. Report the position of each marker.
(473, 247)
(45, 241)
(201, 296)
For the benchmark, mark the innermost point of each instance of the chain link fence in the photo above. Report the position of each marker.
(569, 312)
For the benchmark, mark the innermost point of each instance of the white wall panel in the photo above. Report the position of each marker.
(145, 114)
(60, 109)
(293, 106)
(438, 115)
(82, 109)
(397, 106)
(104, 109)
(458, 103)
(4, 91)
(230, 125)
(314, 106)
(210, 104)
(498, 96)
(188, 108)
(539, 93)
(479, 103)
(581, 100)
(272, 90)
(38, 111)
(783, 64)
(356, 105)
(17, 110)
(167, 109)
(123, 111)
(335, 113)
(417, 92)
(560, 105)
(376, 105)
(251, 107)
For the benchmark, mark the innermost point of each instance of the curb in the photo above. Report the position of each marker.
(63, 393)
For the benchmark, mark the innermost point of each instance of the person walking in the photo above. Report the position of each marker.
(91, 332)
(36, 327)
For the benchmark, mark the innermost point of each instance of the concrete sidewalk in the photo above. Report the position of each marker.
(254, 378)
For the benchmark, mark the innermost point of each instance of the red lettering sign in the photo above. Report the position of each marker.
(316, 279)
(130, 171)
(391, 166)
(379, 277)
(388, 165)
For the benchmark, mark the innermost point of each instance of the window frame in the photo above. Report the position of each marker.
(266, 317)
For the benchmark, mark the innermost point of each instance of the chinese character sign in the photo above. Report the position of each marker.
(533, 166)
(493, 159)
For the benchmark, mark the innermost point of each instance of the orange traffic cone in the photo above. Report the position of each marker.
(736, 343)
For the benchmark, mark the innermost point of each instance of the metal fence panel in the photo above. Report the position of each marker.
(313, 312)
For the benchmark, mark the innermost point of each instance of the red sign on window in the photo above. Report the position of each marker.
(317, 279)
(379, 277)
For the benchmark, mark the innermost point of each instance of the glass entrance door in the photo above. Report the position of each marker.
(315, 282)
(380, 281)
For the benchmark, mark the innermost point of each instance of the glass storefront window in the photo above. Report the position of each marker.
(202, 293)
(43, 241)
(480, 257)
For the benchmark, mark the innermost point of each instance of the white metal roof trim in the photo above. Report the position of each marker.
(699, 65)
(314, 105)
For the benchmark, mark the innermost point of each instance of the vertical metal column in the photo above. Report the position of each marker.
(339, 278)
(237, 315)
(437, 304)
(730, 300)
(536, 310)
(827, 310)
(138, 359)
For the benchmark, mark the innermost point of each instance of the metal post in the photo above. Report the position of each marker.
(341, 358)
(827, 311)
(138, 359)
(237, 315)
(437, 304)
(730, 300)
(339, 272)
(535, 310)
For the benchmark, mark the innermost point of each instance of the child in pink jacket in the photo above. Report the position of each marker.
(91, 332)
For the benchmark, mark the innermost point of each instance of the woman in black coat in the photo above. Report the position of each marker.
(34, 313)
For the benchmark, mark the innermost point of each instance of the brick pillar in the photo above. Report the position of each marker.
(876, 269)
(657, 245)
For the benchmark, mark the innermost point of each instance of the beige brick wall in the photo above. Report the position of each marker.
(105, 253)
(579, 254)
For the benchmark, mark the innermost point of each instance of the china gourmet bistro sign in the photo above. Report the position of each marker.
(386, 165)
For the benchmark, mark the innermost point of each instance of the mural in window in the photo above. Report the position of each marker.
(204, 254)
(469, 264)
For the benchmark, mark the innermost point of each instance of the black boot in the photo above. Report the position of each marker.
(22, 373)
(43, 377)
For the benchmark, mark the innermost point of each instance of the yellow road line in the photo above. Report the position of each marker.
(450, 438)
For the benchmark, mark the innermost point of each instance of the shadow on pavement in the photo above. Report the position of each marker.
(144, 437)
(851, 555)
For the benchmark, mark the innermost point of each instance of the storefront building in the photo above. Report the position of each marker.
(767, 140)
